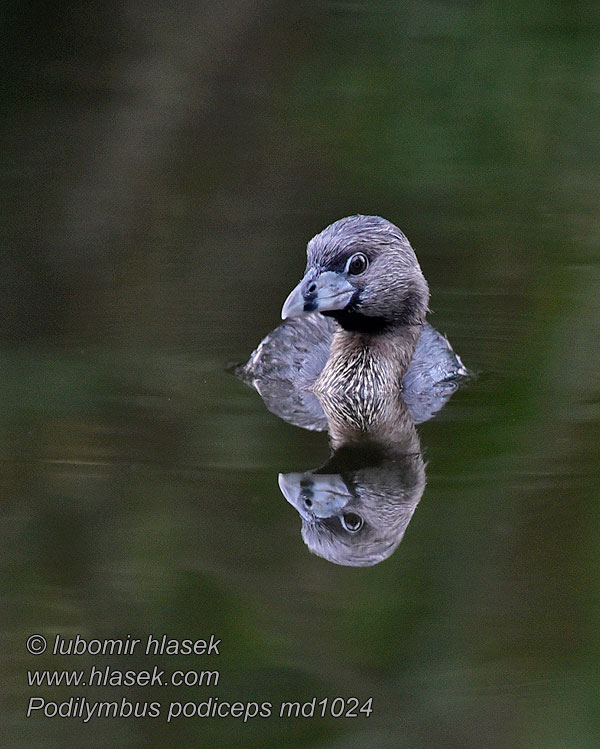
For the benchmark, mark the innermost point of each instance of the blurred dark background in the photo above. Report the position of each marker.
(164, 165)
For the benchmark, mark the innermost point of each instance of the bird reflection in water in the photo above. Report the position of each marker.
(356, 357)
(356, 507)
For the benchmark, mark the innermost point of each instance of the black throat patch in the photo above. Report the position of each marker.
(408, 313)
(357, 323)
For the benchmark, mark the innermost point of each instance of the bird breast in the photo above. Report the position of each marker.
(357, 390)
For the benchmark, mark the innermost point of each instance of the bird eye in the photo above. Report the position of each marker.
(357, 264)
(352, 522)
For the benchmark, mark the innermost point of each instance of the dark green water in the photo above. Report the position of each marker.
(162, 172)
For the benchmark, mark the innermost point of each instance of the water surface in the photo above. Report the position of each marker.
(163, 171)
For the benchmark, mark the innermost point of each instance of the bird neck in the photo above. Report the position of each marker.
(359, 387)
(390, 350)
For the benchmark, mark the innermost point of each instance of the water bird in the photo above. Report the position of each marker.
(355, 339)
